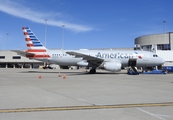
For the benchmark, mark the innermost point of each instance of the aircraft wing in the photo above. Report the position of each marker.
(90, 59)
(22, 53)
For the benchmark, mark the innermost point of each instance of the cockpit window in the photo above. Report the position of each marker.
(155, 55)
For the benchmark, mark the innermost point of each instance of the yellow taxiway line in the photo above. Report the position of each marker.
(85, 107)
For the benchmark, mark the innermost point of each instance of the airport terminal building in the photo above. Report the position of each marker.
(162, 44)
(9, 59)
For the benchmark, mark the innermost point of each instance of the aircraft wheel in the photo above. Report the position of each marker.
(92, 71)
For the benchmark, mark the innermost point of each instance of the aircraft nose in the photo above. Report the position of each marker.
(162, 61)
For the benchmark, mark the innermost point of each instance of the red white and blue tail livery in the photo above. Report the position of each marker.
(35, 47)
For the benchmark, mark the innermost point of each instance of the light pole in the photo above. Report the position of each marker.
(45, 64)
(45, 32)
(63, 36)
(7, 41)
(164, 26)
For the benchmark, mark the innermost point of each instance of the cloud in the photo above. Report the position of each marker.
(18, 10)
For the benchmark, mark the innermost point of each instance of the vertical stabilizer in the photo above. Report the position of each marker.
(34, 45)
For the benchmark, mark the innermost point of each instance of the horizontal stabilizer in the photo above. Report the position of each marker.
(22, 53)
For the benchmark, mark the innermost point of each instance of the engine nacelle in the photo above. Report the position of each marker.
(112, 66)
(83, 63)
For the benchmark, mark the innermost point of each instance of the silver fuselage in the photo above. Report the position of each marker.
(143, 58)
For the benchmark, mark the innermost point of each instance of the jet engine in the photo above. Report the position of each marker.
(112, 66)
(83, 63)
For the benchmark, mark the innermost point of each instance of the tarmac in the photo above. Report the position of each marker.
(37, 94)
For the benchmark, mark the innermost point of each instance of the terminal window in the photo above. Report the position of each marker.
(163, 47)
(147, 47)
(2, 57)
(16, 57)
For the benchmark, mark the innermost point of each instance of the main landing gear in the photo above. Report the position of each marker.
(92, 71)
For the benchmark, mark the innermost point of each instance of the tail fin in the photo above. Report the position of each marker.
(35, 47)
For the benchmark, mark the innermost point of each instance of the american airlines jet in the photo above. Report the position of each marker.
(110, 60)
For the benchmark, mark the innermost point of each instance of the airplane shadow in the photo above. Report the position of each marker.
(71, 73)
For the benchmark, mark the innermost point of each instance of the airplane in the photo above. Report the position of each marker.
(110, 60)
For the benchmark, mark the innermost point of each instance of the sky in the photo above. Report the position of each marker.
(88, 24)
